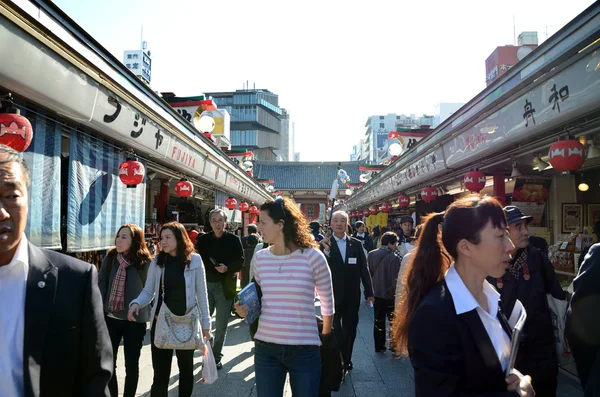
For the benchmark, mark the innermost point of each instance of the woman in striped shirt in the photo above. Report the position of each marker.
(289, 273)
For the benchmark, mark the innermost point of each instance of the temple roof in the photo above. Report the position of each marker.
(304, 175)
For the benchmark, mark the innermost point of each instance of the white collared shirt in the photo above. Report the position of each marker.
(13, 282)
(341, 243)
(465, 302)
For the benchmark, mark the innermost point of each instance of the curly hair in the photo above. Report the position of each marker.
(295, 229)
(139, 253)
(185, 248)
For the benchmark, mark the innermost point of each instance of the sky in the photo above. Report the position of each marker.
(333, 63)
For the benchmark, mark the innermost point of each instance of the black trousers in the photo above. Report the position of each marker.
(345, 321)
(161, 362)
(383, 308)
(132, 335)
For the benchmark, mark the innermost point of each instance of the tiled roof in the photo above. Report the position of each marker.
(304, 175)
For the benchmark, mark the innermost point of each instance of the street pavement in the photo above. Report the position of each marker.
(374, 374)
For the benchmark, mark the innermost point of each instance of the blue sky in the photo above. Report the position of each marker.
(333, 63)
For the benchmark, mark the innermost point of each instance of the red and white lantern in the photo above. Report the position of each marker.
(428, 194)
(131, 172)
(393, 135)
(375, 210)
(567, 155)
(230, 203)
(244, 206)
(367, 212)
(15, 130)
(474, 181)
(404, 201)
(254, 210)
(386, 207)
(184, 188)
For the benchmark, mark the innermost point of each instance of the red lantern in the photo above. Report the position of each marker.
(230, 203)
(184, 188)
(366, 212)
(244, 206)
(393, 135)
(567, 155)
(428, 194)
(254, 210)
(474, 181)
(393, 158)
(15, 130)
(375, 210)
(131, 172)
(404, 201)
(386, 207)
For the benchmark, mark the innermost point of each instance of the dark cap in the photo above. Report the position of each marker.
(407, 218)
(514, 214)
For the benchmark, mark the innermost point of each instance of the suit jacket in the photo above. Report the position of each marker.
(583, 324)
(67, 349)
(452, 355)
(346, 277)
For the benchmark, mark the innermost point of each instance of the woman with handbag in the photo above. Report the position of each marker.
(289, 273)
(177, 283)
(121, 279)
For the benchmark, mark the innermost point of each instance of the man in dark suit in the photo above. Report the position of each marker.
(348, 264)
(583, 324)
(54, 339)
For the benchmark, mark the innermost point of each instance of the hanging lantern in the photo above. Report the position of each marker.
(386, 208)
(393, 158)
(395, 150)
(375, 210)
(428, 194)
(184, 188)
(254, 210)
(230, 203)
(393, 135)
(244, 206)
(567, 155)
(404, 201)
(474, 181)
(131, 172)
(15, 130)
(366, 212)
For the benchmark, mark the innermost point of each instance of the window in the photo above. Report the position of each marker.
(128, 56)
(381, 125)
(380, 117)
(135, 56)
(310, 211)
(136, 65)
(128, 65)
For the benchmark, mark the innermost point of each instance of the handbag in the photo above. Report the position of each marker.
(175, 332)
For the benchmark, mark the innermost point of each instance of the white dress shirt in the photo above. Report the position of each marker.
(341, 243)
(13, 281)
(465, 302)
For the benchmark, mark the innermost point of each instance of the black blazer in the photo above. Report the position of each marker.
(67, 349)
(452, 355)
(346, 277)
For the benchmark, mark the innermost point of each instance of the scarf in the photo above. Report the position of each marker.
(116, 300)
(521, 262)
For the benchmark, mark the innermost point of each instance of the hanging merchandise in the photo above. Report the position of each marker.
(474, 181)
(131, 172)
(244, 206)
(184, 188)
(428, 194)
(568, 155)
(231, 203)
(15, 130)
(404, 201)
(386, 208)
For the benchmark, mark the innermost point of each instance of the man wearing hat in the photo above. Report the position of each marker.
(529, 278)
(407, 224)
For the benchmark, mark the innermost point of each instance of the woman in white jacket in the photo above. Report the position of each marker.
(185, 287)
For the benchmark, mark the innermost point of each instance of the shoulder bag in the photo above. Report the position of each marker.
(177, 332)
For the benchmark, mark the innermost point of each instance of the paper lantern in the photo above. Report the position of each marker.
(395, 149)
(567, 155)
(375, 210)
(474, 181)
(386, 207)
(404, 201)
(254, 210)
(15, 130)
(184, 188)
(393, 135)
(428, 194)
(367, 212)
(244, 206)
(131, 172)
(230, 203)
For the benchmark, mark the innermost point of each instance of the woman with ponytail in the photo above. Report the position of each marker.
(449, 319)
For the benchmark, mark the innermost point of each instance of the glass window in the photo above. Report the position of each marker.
(128, 56)
(381, 125)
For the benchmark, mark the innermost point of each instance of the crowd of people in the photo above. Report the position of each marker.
(451, 290)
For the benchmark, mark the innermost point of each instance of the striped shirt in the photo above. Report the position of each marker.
(288, 284)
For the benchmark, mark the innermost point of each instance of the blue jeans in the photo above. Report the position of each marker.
(218, 302)
(272, 362)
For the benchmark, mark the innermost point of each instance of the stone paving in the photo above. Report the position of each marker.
(374, 374)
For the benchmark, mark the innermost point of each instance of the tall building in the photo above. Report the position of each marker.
(378, 127)
(443, 110)
(139, 62)
(504, 58)
(283, 154)
(256, 120)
